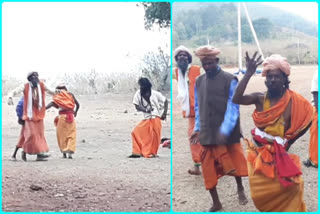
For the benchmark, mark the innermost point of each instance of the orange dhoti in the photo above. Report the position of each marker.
(313, 145)
(146, 137)
(220, 160)
(66, 134)
(267, 193)
(21, 138)
(195, 148)
(35, 142)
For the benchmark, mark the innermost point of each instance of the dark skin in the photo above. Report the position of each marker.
(182, 61)
(210, 65)
(274, 82)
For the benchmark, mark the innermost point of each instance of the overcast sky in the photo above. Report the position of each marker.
(55, 38)
(307, 10)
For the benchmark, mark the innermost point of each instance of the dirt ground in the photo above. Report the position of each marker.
(188, 192)
(100, 177)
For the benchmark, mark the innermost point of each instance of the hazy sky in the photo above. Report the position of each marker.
(55, 38)
(307, 10)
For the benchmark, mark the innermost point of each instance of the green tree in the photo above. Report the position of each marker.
(246, 35)
(158, 13)
(263, 27)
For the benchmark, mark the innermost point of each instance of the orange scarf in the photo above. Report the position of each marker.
(64, 100)
(298, 121)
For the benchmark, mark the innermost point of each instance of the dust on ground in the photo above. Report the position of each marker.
(100, 177)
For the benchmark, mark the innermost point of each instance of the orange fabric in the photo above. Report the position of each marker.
(313, 145)
(66, 135)
(220, 160)
(21, 138)
(64, 100)
(262, 160)
(267, 192)
(269, 195)
(146, 137)
(36, 113)
(35, 141)
(298, 121)
(194, 72)
(195, 148)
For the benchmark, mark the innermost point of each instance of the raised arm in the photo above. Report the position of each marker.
(48, 90)
(254, 98)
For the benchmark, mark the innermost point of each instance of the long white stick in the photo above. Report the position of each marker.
(252, 29)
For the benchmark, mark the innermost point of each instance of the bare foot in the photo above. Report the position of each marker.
(195, 171)
(215, 207)
(23, 156)
(242, 198)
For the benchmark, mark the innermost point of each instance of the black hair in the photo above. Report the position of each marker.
(144, 83)
(33, 73)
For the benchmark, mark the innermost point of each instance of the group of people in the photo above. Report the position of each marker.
(146, 136)
(210, 101)
(31, 111)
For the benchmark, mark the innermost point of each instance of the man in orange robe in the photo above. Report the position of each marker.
(33, 115)
(313, 144)
(65, 123)
(281, 117)
(186, 75)
(217, 126)
(146, 136)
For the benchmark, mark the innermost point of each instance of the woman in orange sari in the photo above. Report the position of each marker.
(65, 123)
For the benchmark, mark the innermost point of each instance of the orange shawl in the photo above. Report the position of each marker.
(301, 114)
(64, 100)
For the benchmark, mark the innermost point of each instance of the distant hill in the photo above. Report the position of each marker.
(200, 23)
(256, 10)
